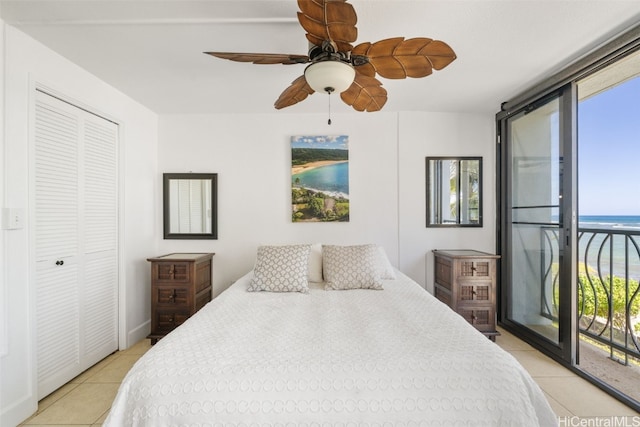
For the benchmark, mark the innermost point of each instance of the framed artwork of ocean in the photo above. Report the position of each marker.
(320, 178)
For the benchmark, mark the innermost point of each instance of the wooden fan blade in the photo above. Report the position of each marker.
(298, 91)
(365, 94)
(397, 58)
(333, 20)
(262, 58)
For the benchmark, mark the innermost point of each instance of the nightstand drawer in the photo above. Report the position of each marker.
(174, 272)
(476, 268)
(474, 292)
(172, 296)
(482, 317)
(167, 321)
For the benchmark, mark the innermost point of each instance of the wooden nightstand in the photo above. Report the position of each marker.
(465, 280)
(180, 286)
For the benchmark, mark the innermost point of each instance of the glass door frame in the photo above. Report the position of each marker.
(612, 50)
(566, 350)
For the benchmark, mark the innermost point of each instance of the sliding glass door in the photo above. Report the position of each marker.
(563, 287)
(537, 151)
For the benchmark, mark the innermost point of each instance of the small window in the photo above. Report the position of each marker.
(454, 191)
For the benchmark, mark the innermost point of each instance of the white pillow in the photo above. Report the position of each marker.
(281, 269)
(315, 263)
(351, 267)
(388, 272)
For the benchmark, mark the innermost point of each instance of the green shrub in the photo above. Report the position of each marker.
(595, 290)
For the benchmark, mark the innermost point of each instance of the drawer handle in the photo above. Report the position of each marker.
(172, 297)
(60, 262)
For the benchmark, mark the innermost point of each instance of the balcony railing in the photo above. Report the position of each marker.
(608, 287)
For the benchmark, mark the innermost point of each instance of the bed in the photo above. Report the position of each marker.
(351, 352)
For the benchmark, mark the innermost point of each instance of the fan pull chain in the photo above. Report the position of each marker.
(329, 121)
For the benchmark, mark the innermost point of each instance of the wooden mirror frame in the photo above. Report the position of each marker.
(435, 191)
(212, 211)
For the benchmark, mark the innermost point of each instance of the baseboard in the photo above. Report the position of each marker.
(139, 333)
(18, 412)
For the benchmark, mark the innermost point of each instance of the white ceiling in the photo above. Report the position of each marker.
(152, 49)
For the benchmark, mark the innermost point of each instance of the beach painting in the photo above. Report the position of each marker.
(320, 178)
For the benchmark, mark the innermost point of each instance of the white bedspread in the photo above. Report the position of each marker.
(396, 357)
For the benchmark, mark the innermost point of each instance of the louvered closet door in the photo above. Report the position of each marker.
(56, 244)
(100, 238)
(75, 228)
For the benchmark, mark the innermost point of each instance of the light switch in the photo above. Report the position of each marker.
(12, 218)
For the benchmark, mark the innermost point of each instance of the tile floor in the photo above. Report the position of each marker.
(85, 401)
(576, 401)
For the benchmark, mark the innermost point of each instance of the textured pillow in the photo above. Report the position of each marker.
(281, 269)
(351, 267)
(315, 263)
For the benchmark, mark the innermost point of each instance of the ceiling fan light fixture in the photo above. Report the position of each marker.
(329, 76)
(330, 27)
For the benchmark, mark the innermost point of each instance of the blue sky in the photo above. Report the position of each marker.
(320, 141)
(609, 151)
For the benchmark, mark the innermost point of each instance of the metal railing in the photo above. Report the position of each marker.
(608, 287)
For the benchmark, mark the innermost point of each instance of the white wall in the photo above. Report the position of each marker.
(4, 327)
(441, 134)
(27, 64)
(252, 156)
(387, 153)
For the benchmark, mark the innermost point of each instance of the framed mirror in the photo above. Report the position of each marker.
(190, 205)
(454, 191)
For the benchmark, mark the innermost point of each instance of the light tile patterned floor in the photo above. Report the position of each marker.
(576, 401)
(85, 401)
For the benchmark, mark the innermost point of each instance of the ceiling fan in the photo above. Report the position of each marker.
(337, 66)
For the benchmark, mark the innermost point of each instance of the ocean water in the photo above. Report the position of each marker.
(330, 179)
(616, 245)
(610, 221)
